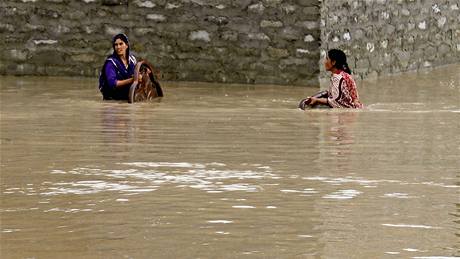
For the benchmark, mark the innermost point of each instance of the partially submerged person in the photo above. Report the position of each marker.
(117, 73)
(342, 92)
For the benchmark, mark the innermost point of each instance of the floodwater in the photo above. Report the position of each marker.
(230, 171)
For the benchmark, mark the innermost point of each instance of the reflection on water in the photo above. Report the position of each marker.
(230, 171)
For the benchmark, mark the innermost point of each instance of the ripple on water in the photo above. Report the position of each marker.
(372, 183)
(220, 221)
(243, 207)
(304, 191)
(410, 108)
(410, 226)
(398, 195)
(91, 187)
(149, 176)
(343, 194)
(10, 230)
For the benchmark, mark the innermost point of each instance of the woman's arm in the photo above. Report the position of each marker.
(111, 76)
(314, 101)
(128, 81)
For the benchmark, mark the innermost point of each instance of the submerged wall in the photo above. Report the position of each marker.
(390, 36)
(235, 41)
(239, 41)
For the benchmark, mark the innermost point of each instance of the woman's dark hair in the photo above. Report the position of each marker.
(340, 60)
(124, 38)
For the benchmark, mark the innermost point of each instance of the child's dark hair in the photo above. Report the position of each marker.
(340, 60)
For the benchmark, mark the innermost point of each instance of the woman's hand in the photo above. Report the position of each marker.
(313, 101)
(304, 102)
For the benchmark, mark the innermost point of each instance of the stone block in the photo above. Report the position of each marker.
(84, 58)
(6, 27)
(444, 49)
(261, 67)
(145, 4)
(362, 63)
(201, 35)
(288, 8)
(289, 33)
(24, 69)
(310, 11)
(307, 2)
(430, 52)
(114, 2)
(309, 38)
(310, 25)
(55, 70)
(229, 36)
(274, 24)
(17, 55)
(258, 8)
(357, 34)
(277, 53)
(291, 61)
(156, 17)
(272, 3)
(143, 31)
(76, 15)
(258, 36)
(403, 58)
(219, 20)
(441, 21)
(111, 30)
(47, 57)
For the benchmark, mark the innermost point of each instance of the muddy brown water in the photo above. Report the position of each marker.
(230, 171)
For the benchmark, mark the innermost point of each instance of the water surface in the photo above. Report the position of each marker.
(230, 171)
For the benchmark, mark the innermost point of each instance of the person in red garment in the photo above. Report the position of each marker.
(342, 92)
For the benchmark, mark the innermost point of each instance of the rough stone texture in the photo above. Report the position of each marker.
(391, 36)
(234, 41)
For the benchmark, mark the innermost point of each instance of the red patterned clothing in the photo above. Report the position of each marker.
(343, 93)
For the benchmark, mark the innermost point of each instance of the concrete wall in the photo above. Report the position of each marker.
(239, 41)
(390, 36)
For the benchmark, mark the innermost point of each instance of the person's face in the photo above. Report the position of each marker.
(328, 64)
(120, 47)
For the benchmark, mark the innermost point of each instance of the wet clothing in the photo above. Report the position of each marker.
(112, 71)
(342, 92)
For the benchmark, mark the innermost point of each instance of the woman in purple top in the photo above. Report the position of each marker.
(117, 73)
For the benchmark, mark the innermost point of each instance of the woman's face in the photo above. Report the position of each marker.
(328, 64)
(120, 47)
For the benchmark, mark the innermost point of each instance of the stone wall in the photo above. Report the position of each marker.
(390, 36)
(238, 41)
(234, 41)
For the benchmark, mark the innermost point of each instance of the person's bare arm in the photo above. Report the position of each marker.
(121, 83)
(314, 101)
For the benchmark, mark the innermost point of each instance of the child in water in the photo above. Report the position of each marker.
(342, 92)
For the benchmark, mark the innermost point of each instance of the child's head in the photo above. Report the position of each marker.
(337, 59)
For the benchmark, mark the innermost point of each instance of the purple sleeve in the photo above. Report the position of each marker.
(110, 75)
